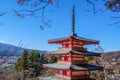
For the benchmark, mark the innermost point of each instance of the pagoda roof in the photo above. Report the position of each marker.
(61, 78)
(88, 41)
(73, 66)
(60, 52)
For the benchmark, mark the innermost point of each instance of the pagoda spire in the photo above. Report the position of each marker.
(73, 21)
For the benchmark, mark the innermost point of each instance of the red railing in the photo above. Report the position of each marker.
(61, 48)
(78, 62)
(60, 61)
(80, 76)
(74, 48)
(73, 62)
(62, 75)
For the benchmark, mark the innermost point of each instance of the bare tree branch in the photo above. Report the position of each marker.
(8, 53)
(37, 6)
(115, 23)
(115, 17)
(94, 7)
(6, 72)
(2, 13)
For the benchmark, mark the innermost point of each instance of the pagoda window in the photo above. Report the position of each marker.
(69, 58)
(68, 73)
(61, 71)
(62, 58)
(70, 46)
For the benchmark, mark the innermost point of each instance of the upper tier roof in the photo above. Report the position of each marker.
(60, 52)
(73, 37)
(73, 66)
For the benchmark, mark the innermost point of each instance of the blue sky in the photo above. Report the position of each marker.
(88, 25)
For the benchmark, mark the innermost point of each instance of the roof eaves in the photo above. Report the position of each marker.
(73, 66)
(58, 39)
(81, 38)
(85, 52)
(58, 52)
(58, 65)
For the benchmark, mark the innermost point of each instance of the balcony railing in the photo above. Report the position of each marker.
(74, 48)
(61, 61)
(78, 62)
(73, 62)
(61, 48)
(81, 76)
(73, 77)
(62, 75)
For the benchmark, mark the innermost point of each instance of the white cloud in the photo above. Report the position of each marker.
(2, 41)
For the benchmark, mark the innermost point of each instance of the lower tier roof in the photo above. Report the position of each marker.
(60, 52)
(73, 66)
(61, 78)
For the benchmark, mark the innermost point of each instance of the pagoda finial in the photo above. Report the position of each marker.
(73, 21)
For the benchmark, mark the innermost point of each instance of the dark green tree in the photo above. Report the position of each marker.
(53, 59)
(35, 62)
(43, 59)
(17, 65)
(22, 63)
(30, 63)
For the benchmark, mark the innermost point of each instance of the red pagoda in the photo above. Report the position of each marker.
(72, 64)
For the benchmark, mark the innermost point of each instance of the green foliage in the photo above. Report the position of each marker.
(97, 75)
(30, 62)
(119, 71)
(22, 63)
(89, 59)
(35, 62)
(110, 71)
(53, 59)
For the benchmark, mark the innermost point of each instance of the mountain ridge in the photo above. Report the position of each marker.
(8, 49)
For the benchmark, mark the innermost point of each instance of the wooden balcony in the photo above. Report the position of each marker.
(60, 61)
(62, 75)
(78, 62)
(61, 48)
(73, 48)
(80, 76)
(79, 49)
(71, 77)
(73, 62)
